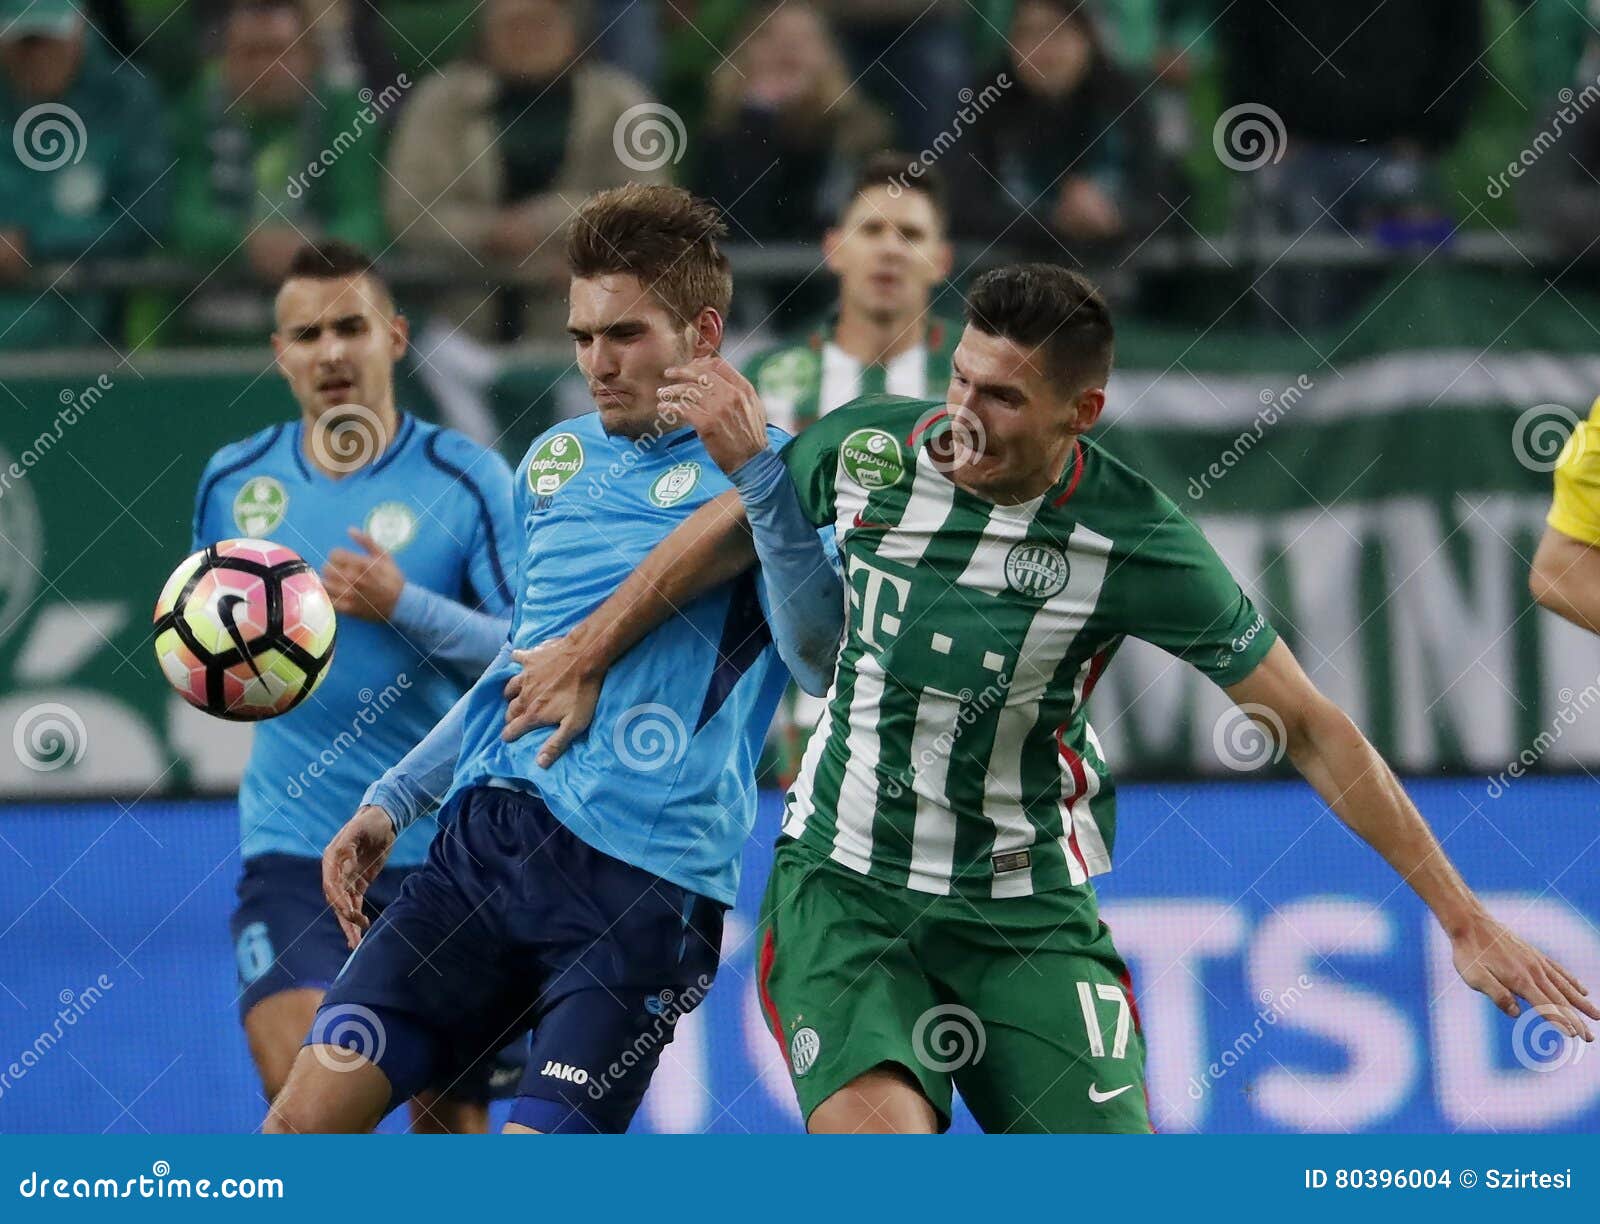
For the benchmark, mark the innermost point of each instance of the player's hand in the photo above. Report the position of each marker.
(556, 687)
(723, 408)
(1491, 958)
(367, 586)
(351, 862)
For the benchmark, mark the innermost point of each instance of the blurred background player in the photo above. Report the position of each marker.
(1565, 576)
(889, 252)
(583, 900)
(352, 468)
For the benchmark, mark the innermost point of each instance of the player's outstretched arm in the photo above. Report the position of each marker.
(1565, 577)
(1332, 754)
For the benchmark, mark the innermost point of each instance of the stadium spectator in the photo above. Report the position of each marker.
(494, 154)
(1065, 152)
(911, 56)
(784, 128)
(274, 154)
(84, 168)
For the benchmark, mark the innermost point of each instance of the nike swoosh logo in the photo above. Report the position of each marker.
(225, 607)
(861, 522)
(1100, 1098)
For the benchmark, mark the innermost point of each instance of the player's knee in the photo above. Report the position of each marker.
(884, 1100)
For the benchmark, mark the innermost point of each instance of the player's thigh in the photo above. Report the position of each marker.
(275, 1028)
(329, 1092)
(1042, 1034)
(839, 987)
(605, 1020)
(424, 994)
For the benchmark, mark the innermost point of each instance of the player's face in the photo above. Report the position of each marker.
(888, 252)
(1012, 425)
(625, 339)
(336, 343)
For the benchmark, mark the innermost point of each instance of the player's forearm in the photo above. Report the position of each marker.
(804, 594)
(448, 631)
(418, 781)
(708, 548)
(1356, 782)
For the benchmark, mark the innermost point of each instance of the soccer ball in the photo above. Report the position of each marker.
(244, 630)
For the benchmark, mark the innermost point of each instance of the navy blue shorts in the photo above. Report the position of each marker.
(286, 938)
(515, 923)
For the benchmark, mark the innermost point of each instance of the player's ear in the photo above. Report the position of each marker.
(399, 335)
(1090, 405)
(277, 355)
(831, 238)
(944, 258)
(706, 333)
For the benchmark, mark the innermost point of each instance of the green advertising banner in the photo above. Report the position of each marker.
(1379, 493)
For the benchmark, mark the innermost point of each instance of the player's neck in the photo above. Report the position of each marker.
(878, 341)
(339, 443)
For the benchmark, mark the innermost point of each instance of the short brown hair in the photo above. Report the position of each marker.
(663, 236)
(894, 170)
(1048, 306)
(332, 259)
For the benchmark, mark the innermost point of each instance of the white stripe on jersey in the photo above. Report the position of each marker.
(802, 796)
(1095, 854)
(933, 837)
(927, 507)
(858, 792)
(906, 374)
(1051, 635)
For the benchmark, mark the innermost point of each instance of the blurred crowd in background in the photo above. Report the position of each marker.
(462, 133)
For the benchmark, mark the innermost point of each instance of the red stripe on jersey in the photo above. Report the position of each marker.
(1080, 784)
(763, 973)
(923, 428)
(1077, 473)
(1096, 666)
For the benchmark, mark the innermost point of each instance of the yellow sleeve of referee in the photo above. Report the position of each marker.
(1575, 511)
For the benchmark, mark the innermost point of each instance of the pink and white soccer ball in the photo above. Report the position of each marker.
(244, 630)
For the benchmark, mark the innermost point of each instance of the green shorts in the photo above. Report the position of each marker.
(1023, 1004)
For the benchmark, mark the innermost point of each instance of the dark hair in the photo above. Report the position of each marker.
(893, 169)
(256, 8)
(332, 259)
(1046, 306)
(662, 235)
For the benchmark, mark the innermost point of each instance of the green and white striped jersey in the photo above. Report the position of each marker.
(956, 754)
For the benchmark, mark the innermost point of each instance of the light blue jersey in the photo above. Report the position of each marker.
(442, 506)
(664, 778)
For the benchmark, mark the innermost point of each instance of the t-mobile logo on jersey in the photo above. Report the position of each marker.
(867, 598)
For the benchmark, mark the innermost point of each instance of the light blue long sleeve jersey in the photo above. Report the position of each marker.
(442, 506)
(664, 777)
